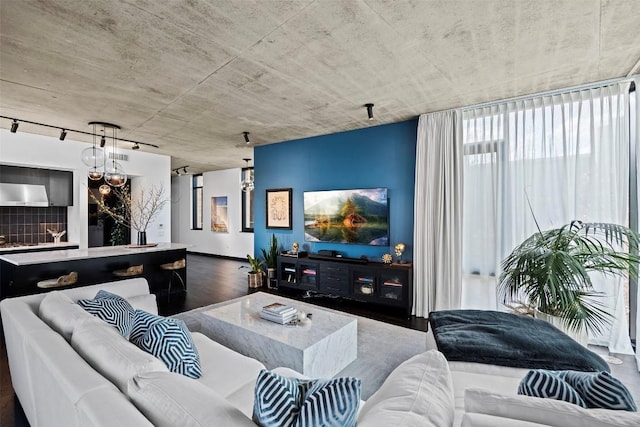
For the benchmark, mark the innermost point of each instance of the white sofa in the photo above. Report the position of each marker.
(84, 374)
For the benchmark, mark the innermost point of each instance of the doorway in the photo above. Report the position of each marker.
(103, 230)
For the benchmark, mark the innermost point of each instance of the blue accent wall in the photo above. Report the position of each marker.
(379, 156)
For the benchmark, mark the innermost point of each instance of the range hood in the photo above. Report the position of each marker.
(23, 195)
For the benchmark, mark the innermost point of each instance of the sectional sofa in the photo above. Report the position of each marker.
(68, 368)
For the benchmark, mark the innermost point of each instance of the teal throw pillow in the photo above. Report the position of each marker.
(546, 384)
(289, 402)
(111, 308)
(169, 340)
(600, 390)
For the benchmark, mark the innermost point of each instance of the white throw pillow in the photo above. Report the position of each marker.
(417, 393)
(168, 399)
(545, 411)
(111, 354)
(61, 313)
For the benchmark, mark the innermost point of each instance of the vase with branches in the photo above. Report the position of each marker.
(551, 270)
(137, 211)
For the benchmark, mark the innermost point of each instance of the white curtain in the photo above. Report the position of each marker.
(560, 158)
(438, 213)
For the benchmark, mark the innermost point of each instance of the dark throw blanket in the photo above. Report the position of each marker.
(506, 339)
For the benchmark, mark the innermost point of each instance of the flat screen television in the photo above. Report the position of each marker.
(359, 216)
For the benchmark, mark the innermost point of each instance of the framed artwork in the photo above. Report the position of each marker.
(219, 214)
(279, 208)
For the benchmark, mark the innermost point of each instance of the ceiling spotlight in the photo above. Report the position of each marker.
(246, 137)
(63, 134)
(103, 141)
(14, 126)
(369, 110)
(136, 147)
(184, 169)
(178, 172)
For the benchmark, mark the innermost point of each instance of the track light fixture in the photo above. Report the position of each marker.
(136, 147)
(246, 137)
(64, 131)
(103, 141)
(177, 170)
(369, 111)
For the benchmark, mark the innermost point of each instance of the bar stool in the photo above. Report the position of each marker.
(173, 267)
(134, 270)
(65, 280)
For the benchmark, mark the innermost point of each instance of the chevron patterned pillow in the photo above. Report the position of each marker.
(546, 384)
(111, 308)
(169, 340)
(600, 390)
(290, 402)
(142, 321)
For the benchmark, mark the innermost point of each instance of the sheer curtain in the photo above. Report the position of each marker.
(438, 213)
(560, 157)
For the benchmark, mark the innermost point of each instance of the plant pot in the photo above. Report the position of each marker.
(580, 336)
(142, 237)
(255, 280)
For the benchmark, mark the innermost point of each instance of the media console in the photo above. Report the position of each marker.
(373, 282)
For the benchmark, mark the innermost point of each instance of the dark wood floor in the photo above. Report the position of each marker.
(210, 280)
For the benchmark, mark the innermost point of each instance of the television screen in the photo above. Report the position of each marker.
(347, 216)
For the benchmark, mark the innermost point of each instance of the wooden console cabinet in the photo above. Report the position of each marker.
(370, 282)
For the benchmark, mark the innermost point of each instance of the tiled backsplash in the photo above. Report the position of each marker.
(29, 225)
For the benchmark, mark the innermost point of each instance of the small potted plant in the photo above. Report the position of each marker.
(270, 256)
(255, 272)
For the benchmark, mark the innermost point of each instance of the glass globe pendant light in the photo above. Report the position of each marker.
(114, 174)
(94, 158)
(248, 183)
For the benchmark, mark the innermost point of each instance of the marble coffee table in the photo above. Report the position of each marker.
(319, 349)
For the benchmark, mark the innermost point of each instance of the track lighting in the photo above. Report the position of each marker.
(135, 147)
(369, 111)
(184, 169)
(103, 141)
(246, 137)
(177, 170)
(64, 131)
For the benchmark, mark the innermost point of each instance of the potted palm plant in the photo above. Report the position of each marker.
(551, 270)
(270, 256)
(255, 271)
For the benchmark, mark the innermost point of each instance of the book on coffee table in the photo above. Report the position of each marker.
(279, 319)
(279, 313)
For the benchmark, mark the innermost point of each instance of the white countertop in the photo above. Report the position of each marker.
(76, 254)
(51, 246)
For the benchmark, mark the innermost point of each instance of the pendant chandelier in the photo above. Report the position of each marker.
(94, 157)
(247, 184)
(100, 166)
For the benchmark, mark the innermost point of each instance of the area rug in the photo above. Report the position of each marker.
(381, 348)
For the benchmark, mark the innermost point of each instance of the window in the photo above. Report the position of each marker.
(247, 203)
(196, 202)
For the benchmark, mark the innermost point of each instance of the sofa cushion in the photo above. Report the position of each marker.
(111, 354)
(417, 393)
(61, 313)
(283, 401)
(146, 302)
(224, 370)
(111, 308)
(142, 320)
(600, 390)
(545, 411)
(547, 384)
(170, 400)
(170, 341)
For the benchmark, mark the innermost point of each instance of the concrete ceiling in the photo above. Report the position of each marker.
(191, 76)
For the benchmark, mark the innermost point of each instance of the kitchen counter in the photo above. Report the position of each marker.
(38, 247)
(21, 272)
(78, 254)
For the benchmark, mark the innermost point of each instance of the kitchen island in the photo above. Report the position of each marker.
(20, 273)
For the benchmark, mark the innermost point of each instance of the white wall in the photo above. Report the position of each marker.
(235, 243)
(24, 149)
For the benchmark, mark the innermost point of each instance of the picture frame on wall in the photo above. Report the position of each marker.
(279, 209)
(219, 222)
